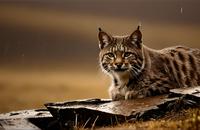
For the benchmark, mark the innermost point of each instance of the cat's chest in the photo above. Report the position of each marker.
(122, 79)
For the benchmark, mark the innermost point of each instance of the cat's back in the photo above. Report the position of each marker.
(181, 52)
(183, 63)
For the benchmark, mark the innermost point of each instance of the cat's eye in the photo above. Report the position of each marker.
(111, 55)
(128, 54)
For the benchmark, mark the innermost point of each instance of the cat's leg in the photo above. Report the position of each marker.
(159, 87)
(115, 94)
(131, 95)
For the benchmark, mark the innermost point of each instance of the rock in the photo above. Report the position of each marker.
(27, 120)
(100, 112)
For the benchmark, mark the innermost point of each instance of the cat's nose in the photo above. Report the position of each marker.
(119, 65)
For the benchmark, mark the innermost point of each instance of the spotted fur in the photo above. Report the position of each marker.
(138, 71)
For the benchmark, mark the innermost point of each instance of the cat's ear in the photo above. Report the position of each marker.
(104, 38)
(136, 37)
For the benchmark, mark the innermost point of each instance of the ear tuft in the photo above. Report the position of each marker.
(99, 29)
(104, 39)
(136, 37)
(138, 27)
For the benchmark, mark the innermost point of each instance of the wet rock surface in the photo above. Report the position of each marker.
(100, 112)
(26, 120)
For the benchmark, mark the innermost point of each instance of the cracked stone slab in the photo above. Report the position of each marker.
(99, 112)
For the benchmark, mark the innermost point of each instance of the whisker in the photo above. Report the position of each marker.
(135, 69)
(137, 66)
(134, 73)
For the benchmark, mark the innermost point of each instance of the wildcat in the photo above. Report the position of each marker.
(138, 71)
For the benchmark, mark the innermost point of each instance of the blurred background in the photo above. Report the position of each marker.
(49, 48)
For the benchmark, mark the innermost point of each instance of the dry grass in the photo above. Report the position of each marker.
(184, 120)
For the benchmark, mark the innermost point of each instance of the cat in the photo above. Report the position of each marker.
(138, 71)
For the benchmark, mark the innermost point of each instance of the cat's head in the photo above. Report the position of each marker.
(121, 53)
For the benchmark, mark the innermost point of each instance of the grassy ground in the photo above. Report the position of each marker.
(183, 120)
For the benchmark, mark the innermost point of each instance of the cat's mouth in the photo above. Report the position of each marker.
(120, 70)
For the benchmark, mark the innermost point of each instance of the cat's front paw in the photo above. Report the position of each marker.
(115, 94)
(130, 95)
(133, 95)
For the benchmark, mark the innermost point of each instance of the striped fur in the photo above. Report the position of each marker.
(138, 71)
